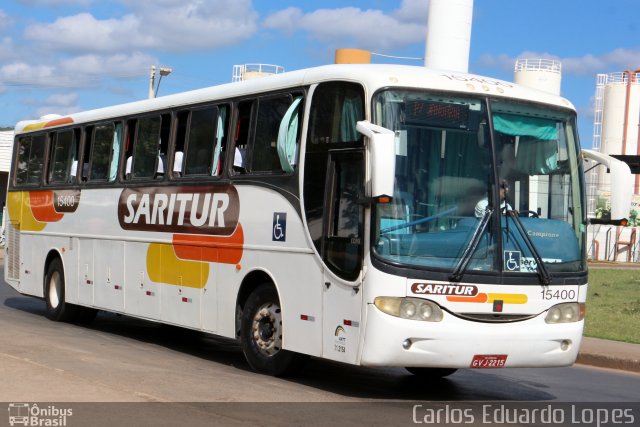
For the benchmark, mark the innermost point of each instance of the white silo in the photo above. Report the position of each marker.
(541, 74)
(620, 117)
(615, 131)
(449, 35)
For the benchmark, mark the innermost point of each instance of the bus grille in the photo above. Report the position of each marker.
(13, 251)
(494, 317)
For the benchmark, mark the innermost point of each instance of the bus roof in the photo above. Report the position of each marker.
(372, 76)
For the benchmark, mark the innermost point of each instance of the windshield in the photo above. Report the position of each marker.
(456, 182)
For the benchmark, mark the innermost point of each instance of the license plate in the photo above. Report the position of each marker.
(488, 361)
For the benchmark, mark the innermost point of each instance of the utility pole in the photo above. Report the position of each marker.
(153, 90)
(152, 81)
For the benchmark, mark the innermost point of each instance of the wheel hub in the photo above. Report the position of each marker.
(54, 289)
(266, 327)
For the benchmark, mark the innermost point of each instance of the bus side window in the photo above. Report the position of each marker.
(241, 137)
(220, 147)
(145, 160)
(100, 151)
(163, 147)
(64, 157)
(201, 142)
(181, 137)
(115, 152)
(336, 108)
(289, 130)
(263, 152)
(30, 161)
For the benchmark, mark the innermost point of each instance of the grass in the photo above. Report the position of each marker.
(613, 305)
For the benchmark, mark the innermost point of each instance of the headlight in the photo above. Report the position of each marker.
(409, 308)
(565, 313)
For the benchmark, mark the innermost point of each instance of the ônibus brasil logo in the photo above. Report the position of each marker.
(27, 414)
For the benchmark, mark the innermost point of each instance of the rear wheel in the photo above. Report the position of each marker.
(57, 309)
(261, 334)
(432, 373)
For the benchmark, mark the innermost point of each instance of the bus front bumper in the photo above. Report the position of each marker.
(455, 342)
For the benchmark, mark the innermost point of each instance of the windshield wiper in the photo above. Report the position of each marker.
(545, 277)
(458, 272)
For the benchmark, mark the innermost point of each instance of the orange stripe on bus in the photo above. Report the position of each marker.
(42, 206)
(49, 124)
(222, 249)
(481, 298)
(59, 122)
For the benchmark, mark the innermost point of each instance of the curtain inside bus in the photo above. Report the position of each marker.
(288, 136)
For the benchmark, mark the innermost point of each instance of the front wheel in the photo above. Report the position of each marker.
(261, 334)
(431, 373)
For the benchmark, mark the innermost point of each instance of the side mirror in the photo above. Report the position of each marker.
(621, 184)
(382, 146)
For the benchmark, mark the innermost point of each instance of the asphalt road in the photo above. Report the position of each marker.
(173, 370)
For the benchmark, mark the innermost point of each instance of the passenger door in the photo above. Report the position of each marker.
(342, 253)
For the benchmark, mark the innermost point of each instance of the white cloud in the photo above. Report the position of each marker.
(21, 73)
(180, 26)
(356, 26)
(587, 65)
(413, 11)
(163, 24)
(77, 72)
(61, 103)
(83, 32)
(287, 20)
(62, 99)
(5, 21)
(116, 65)
(7, 49)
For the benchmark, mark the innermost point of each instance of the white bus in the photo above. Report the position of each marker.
(376, 215)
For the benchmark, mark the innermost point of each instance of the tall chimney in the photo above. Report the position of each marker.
(449, 34)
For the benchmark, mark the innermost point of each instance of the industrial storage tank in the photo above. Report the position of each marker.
(541, 74)
(621, 109)
(615, 132)
(620, 117)
(449, 35)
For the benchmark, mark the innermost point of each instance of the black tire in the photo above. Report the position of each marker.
(261, 335)
(54, 294)
(431, 373)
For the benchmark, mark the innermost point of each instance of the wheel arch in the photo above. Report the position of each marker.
(250, 282)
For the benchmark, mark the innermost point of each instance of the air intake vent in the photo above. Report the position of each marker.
(494, 318)
(13, 251)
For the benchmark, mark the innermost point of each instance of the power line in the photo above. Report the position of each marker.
(413, 58)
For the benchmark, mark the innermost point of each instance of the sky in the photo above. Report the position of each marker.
(64, 56)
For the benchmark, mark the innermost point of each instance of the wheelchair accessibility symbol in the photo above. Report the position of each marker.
(512, 260)
(279, 230)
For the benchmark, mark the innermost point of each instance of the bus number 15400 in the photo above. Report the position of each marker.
(558, 294)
